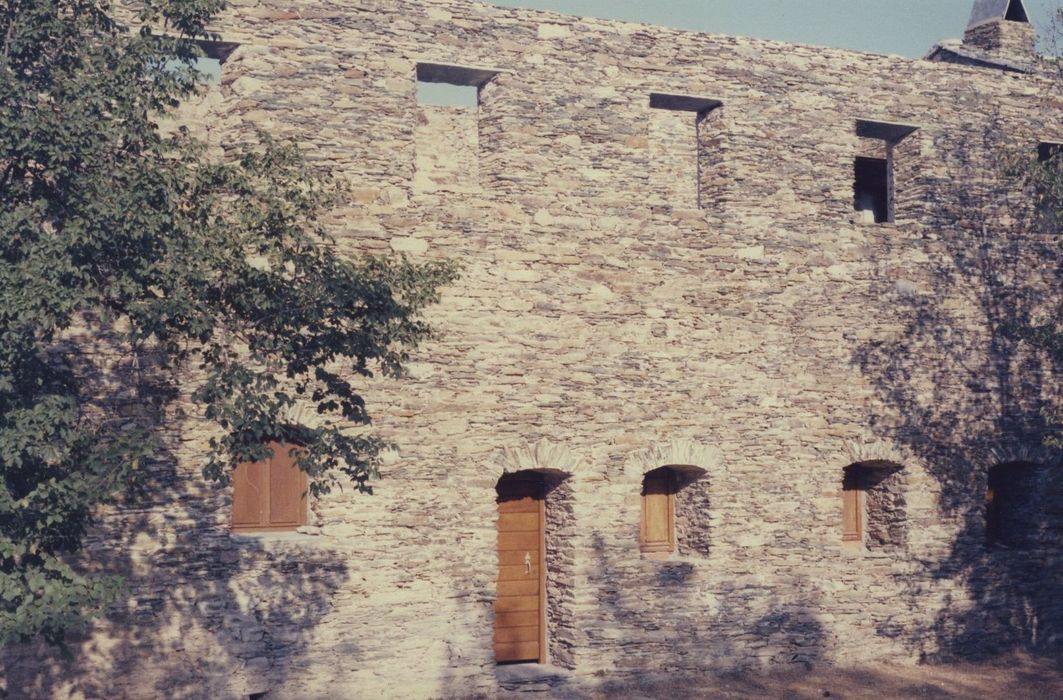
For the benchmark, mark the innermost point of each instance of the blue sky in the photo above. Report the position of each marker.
(904, 27)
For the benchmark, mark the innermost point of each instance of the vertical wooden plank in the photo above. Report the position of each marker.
(250, 495)
(519, 610)
(287, 490)
(542, 575)
(658, 512)
(852, 517)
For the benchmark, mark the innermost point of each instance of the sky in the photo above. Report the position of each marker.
(904, 27)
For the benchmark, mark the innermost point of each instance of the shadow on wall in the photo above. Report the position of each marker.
(958, 388)
(207, 615)
(657, 615)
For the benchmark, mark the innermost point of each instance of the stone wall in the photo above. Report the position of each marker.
(606, 325)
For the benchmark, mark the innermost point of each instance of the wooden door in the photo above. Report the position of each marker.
(519, 606)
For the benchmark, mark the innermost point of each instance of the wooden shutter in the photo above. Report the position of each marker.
(251, 496)
(271, 494)
(852, 517)
(658, 512)
(287, 489)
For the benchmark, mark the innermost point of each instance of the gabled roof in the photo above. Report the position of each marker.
(992, 10)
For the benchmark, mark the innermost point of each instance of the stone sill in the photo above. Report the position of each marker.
(296, 538)
(670, 559)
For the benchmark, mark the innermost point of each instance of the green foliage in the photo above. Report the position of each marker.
(114, 231)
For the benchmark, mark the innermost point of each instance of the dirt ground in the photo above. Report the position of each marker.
(1012, 677)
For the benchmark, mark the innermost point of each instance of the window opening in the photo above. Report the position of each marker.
(270, 494)
(1048, 150)
(658, 512)
(874, 179)
(873, 507)
(703, 150)
(451, 86)
(1012, 505)
(447, 132)
(1016, 12)
(872, 190)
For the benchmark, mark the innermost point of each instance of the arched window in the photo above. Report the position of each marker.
(1012, 504)
(270, 495)
(657, 533)
(873, 506)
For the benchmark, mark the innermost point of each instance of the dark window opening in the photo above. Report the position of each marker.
(1048, 151)
(1012, 505)
(871, 193)
(1016, 12)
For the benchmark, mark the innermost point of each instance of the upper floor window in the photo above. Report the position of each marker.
(686, 150)
(270, 494)
(875, 172)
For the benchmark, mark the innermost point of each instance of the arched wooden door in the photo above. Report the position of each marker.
(520, 633)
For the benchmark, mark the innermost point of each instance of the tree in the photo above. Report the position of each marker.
(112, 228)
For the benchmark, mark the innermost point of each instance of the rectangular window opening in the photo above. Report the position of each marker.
(685, 162)
(443, 85)
(444, 95)
(871, 189)
(1048, 150)
(447, 133)
(875, 178)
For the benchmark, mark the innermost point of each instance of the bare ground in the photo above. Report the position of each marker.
(1012, 677)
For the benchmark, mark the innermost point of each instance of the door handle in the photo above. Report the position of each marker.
(527, 562)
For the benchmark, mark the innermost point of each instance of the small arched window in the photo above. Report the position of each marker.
(873, 506)
(657, 533)
(270, 495)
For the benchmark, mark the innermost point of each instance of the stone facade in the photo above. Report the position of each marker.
(642, 287)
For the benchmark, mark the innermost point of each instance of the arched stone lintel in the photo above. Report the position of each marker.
(544, 456)
(690, 458)
(1018, 453)
(876, 452)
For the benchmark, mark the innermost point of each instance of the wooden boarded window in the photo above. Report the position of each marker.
(270, 495)
(657, 534)
(852, 507)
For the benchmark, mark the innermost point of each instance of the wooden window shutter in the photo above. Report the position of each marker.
(250, 495)
(270, 494)
(852, 517)
(658, 512)
(287, 489)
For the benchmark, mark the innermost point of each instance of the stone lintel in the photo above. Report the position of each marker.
(220, 50)
(684, 103)
(887, 131)
(473, 76)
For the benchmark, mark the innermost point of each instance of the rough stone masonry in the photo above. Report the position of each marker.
(669, 260)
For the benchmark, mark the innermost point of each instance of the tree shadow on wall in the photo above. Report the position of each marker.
(672, 629)
(955, 385)
(207, 614)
